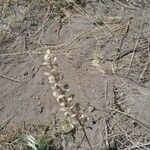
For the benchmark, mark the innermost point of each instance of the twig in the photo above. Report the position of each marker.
(9, 78)
(125, 5)
(136, 44)
(20, 53)
(90, 19)
(109, 143)
(46, 18)
(128, 78)
(127, 136)
(105, 120)
(136, 146)
(36, 51)
(116, 98)
(146, 66)
(85, 134)
(125, 34)
(121, 55)
(133, 54)
(2, 108)
(131, 117)
(106, 92)
(106, 134)
(6, 122)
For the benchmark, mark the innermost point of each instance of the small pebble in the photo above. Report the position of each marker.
(25, 73)
(33, 75)
(42, 109)
(90, 109)
(42, 81)
(39, 103)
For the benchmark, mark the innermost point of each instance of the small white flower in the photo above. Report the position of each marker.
(60, 98)
(46, 57)
(54, 60)
(56, 86)
(45, 63)
(73, 115)
(53, 87)
(51, 79)
(55, 94)
(46, 73)
(74, 121)
(83, 118)
(66, 114)
(62, 104)
(48, 52)
(71, 107)
(69, 98)
(63, 109)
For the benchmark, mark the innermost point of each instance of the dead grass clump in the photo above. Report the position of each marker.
(37, 140)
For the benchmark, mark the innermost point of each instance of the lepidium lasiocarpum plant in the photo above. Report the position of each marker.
(70, 110)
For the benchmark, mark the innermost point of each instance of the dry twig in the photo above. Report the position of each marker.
(131, 117)
(11, 79)
(133, 54)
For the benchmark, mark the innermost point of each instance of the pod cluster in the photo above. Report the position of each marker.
(71, 110)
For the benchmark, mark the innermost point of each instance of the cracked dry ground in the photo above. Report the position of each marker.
(103, 54)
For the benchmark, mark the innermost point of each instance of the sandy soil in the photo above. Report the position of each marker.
(103, 54)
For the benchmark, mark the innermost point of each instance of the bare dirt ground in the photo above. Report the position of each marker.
(103, 53)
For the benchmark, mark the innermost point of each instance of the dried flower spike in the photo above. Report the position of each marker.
(71, 111)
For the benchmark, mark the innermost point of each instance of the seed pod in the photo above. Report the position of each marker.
(46, 73)
(55, 94)
(62, 104)
(51, 79)
(73, 115)
(64, 109)
(60, 98)
(45, 63)
(46, 57)
(66, 114)
(54, 60)
(70, 98)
